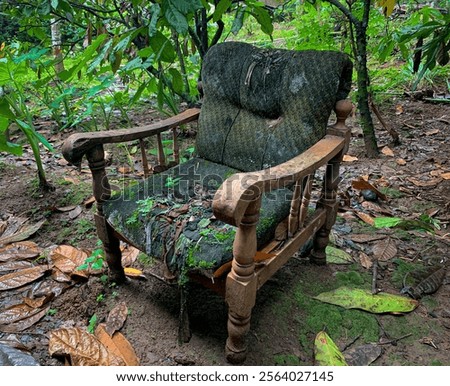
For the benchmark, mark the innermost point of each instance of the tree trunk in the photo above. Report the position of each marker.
(56, 46)
(366, 121)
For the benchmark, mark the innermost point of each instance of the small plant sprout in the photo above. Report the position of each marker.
(92, 323)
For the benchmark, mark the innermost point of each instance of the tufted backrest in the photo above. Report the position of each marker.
(262, 107)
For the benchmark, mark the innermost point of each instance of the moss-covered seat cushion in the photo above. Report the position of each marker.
(169, 216)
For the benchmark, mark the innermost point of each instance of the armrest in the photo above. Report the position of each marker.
(77, 145)
(238, 191)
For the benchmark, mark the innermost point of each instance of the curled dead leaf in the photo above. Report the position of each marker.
(23, 324)
(385, 249)
(67, 259)
(387, 151)
(118, 345)
(82, 348)
(365, 217)
(24, 276)
(116, 318)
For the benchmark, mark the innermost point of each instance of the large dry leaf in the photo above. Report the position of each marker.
(365, 300)
(362, 355)
(23, 324)
(425, 183)
(23, 233)
(365, 260)
(116, 318)
(67, 259)
(14, 266)
(17, 312)
(365, 217)
(19, 251)
(362, 184)
(134, 273)
(365, 238)
(129, 255)
(82, 348)
(117, 344)
(21, 277)
(385, 249)
(326, 353)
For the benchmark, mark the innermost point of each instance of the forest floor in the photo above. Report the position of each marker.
(414, 178)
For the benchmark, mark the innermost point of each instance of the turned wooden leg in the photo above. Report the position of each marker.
(241, 285)
(102, 192)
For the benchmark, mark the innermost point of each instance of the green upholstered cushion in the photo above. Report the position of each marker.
(263, 107)
(169, 216)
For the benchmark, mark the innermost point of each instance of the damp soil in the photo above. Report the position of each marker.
(415, 179)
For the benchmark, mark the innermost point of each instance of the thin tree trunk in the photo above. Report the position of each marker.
(56, 46)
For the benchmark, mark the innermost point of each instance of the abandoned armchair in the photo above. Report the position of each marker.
(249, 200)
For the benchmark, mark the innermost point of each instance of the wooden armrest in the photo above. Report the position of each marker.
(238, 191)
(77, 145)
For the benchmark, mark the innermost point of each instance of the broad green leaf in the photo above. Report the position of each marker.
(365, 300)
(5, 110)
(386, 222)
(238, 21)
(177, 80)
(176, 19)
(337, 256)
(9, 147)
(221, 8)
(326, 351)
(263, 18)
(155, 11)
(34, 134)
(163, 48)
(34, 54)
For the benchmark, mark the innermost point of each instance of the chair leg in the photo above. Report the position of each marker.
(184, 330)
(111, 246)
(329, 203)
(242, 285)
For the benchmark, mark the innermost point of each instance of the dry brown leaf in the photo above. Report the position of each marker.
(23, 324)
(432, 132)
(17, 312)
(373, 207)
(21, 277)
(364, 238)
(399, 109)
(400, 161)
(23, 233)
(446, 176)
(129, 255)
(365, 260)
(74, 213)
(349, 158)
(38, 302)
(387, 151)
(84, 349)
(67, 259)
(89, 202)
(60, 276)
(116, 318)
(65, 208)
(365, 217)
(385, 249)
(15, 265)
(124, 169)
(425, 183)
(362, 184)
(12, 225)
(118, 345)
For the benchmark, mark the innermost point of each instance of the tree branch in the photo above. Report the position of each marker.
(345, 11)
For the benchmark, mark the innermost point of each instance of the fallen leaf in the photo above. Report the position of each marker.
(400, 161)
(129, 255)
(326, 353)
(19, 251)
(432, 132)
(373, 207)
(365, 260)
(74, 213)
(364, 299)
(134, 273)
(118, 345)
(17, 312)
(385, 249)
(387, 151)
(446, 176)
(363, 238)
(67, 259)
(124, 169)
(427, 183)
(399, 109)
(23, 233)
(365, 217)
(22, 325)
(65, 208)
(362, 355)
(349, 158)
(362, 184)
(21, 277)
(337, 256)
(15, 265)
(89, 202)
(116, 318)
(82, 348)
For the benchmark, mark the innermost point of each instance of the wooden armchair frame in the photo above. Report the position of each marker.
(237, 202)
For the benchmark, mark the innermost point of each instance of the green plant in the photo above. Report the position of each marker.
(14, 107)
(100, 298)
(94, 261)
(52, 311)
(92, 323)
